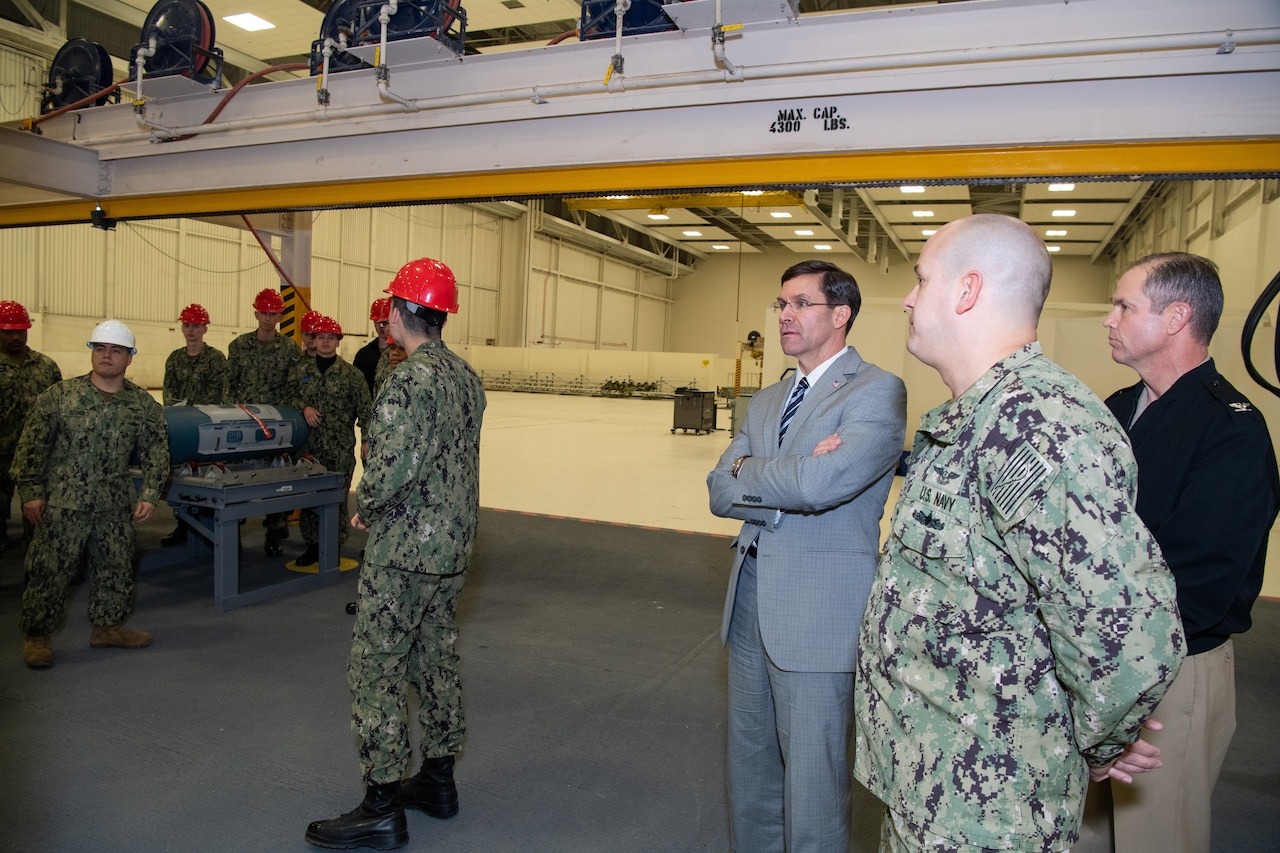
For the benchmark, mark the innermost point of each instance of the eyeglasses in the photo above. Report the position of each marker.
(797, 306)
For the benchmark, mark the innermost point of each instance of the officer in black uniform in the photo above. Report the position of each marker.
(1208, 490)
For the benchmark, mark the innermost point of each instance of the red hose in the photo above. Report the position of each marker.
(235, 90)
(30, 123)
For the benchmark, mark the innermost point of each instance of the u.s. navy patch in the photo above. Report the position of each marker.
(1023, 471)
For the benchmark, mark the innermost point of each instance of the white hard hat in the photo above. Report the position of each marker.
(113, 332)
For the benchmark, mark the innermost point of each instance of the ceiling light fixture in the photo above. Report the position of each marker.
(928, 232)
(780, 214)
(821, 247)
(1061, 188)
(691, 233)
(659, 214)
(804, 232)
(721, 247)
(922, 214)
(249, 22)
(1054, 248)
(912, 189)
(1055, 233)
(1064, 213)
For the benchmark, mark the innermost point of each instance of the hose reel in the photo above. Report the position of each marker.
(178, 40)
(354, 24)
(80, 69)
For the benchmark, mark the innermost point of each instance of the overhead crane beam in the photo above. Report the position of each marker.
(881, 95)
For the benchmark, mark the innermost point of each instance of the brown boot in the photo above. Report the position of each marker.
(118, 637)
(37, 651)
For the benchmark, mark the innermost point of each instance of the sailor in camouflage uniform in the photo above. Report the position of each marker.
(419, 501)
(335, 398)
(195, 374)
(263, 369)
(1022, 624)
(24, 374)
(72, 472)
(393, 356)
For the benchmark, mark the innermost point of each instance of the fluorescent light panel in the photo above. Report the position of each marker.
(249, 22)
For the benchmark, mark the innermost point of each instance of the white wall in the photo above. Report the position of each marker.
(21, 77)
(72, 277)
(583, 299)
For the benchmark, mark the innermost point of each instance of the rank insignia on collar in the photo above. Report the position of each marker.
(1241, 406)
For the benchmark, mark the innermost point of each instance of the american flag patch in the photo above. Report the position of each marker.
(1022, 472)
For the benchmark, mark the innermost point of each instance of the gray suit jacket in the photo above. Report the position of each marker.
(816, 562)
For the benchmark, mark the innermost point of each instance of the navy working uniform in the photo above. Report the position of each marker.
(1019, 607)
(338, 392)
(74, 454)
(420, 496)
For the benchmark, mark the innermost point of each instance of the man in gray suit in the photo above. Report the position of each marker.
(808, 473)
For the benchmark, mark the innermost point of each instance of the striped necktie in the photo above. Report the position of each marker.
(797, 396)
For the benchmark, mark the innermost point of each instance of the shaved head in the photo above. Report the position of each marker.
(1010, 255)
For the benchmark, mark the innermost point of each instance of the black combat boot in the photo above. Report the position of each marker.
(378, 822)
(432, 790)
(274, 538)
(176, 537)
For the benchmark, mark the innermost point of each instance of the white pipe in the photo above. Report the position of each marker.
(384, 92)
(620, 9)
(717, 46)
(384, 18)
(140, 61)
(322, 94)
(540, 93)
(616, 62)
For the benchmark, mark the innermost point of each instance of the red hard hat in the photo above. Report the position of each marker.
(194, 314)
(380, 310)
(427, 283)
(326, 325)
(308, 322)
(269, 301)
(13, 316)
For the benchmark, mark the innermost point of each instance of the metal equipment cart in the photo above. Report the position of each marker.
(695, 410)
